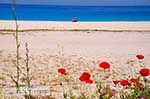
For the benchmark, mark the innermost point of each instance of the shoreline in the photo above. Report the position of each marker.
(74, 22)
(116, 26)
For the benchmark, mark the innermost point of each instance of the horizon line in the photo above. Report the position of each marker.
(69, 5)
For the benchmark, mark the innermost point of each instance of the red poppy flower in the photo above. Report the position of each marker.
(116, 82)
(124, 83)
(140, 56)
(145, 72)
(89, 81)
(62, 71)
(138, 85)
(104, 65)
(85, 76)
(133, 80)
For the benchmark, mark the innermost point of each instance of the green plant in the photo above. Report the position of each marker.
(16, 80)
(83, 96)
(71, 96)
(27, 78)
(137, 93)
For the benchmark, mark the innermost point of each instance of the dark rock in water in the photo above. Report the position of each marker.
(74, 19)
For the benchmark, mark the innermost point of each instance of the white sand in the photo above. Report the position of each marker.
(93, 44)
(79, 25)
(79, 43)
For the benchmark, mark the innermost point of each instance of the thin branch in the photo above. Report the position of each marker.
(17, 47)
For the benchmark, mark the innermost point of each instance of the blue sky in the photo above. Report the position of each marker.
(82, 2)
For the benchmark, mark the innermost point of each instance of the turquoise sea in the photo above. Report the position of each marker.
(82, 13)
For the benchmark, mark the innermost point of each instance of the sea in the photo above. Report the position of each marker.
(81, 13)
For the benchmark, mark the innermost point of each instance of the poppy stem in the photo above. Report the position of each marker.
(104, 71)
(63, 89)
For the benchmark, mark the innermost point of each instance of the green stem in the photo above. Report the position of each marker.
(64, 93)
(17, 47)
(27, 68)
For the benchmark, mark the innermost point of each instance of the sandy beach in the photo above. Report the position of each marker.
(77, 51)
(55, 25)
(79, 42)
